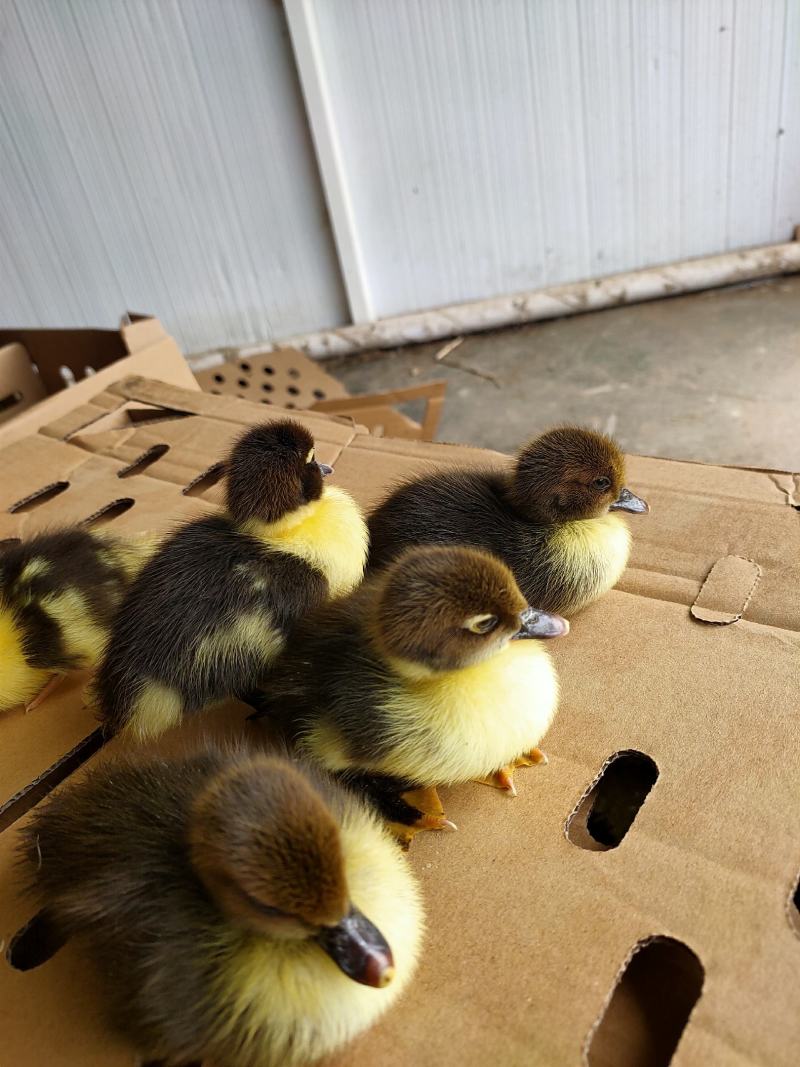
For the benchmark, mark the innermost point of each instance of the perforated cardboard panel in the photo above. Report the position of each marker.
(528, 932)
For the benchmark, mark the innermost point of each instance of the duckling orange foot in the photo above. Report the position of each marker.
(406, 832)
(502, 779)
(534, 758)
(45, 692)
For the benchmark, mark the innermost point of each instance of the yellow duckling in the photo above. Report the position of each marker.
(241, 909)
(553, 519)
(423, 677)
(58, 595)
(214, 606)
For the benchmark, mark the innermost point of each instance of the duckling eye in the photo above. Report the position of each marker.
(601, 484)
(481, 624)
(310, 456)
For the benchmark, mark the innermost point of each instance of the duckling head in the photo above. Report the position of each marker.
(444, 608)
(272, 471)
(268, 850)
(571, 473)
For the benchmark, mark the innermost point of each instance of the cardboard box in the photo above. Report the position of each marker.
(693, 662)
(288, 378)
(44, 373)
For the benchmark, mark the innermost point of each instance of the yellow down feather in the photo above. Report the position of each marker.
(330, 534)
(453, 726)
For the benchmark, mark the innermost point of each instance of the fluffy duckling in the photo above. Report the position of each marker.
(242, 910)
(214, 605)
(554, 518)
(58, 595)
(423, 677)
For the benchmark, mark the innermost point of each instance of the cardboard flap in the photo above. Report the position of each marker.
(20, 385)
(727, 590)
(379, 413)
(788, 484)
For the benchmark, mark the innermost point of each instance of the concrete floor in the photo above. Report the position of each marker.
(712, 376)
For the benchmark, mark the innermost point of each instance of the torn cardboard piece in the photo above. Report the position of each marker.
(528, 932)
(289, 379)
(35, 366)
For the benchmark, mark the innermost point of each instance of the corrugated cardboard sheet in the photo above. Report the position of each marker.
(527, 931)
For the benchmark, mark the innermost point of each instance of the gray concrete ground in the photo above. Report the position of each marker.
(712, 376)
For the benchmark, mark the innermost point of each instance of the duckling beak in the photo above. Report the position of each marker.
(325, 469)
(359, 949)
(626, 501)
(540, 624)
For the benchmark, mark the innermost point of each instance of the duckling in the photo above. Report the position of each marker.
(423, 677)
(554, 519)
(215, 604)
(241, 909)
(58, 595)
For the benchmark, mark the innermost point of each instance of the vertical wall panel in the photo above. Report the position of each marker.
(496, 145)
(155, 155)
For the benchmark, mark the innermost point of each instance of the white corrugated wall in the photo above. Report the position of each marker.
(155, 154)
(491, 146)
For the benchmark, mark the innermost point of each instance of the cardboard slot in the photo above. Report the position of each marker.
(649, 1007)
(27, 798)
(41, 496)
(110, 511)
(607, 811)
(209, 477)
(9, 400)
(34, 944)
(793, 911)
(7, 542)
(147, 459)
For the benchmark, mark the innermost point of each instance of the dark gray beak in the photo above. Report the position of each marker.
(626, 501)
(540, 624)
(358, 948)
(324, 469)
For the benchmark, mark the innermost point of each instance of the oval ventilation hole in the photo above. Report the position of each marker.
(606, 812)
(793, 910)
(219, 378)
(15, 807)
(268, 370)
(144, 461)
(292, 390)
(245, 367)
(266, 400)
(289, 405)
(205, 480)
(293, 372)
(319, 394)
(41, 496)
(163, 1063)
(649, 1008)
(267, 387)
(9, 400)
(243, 383)
(110, 511)
(36, 943)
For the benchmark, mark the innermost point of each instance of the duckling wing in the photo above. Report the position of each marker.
(202, 622)
(449, 508)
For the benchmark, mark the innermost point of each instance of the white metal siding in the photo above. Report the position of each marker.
(154, 155)
(491, 146)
